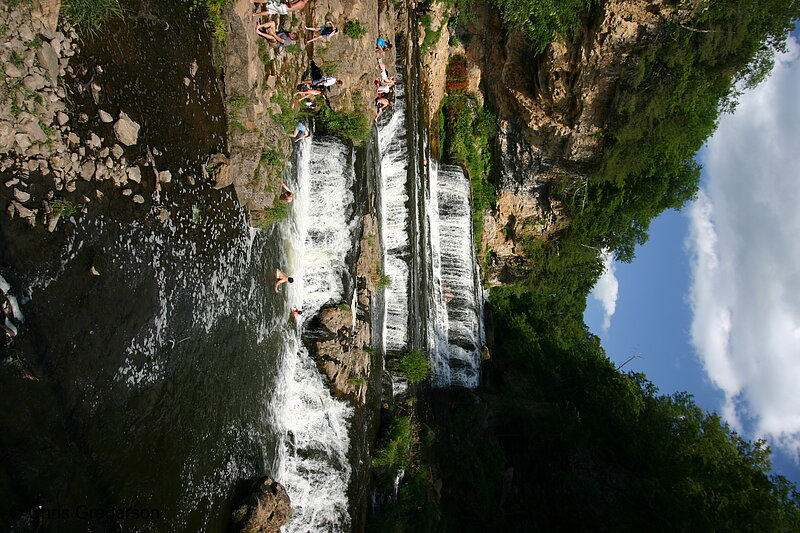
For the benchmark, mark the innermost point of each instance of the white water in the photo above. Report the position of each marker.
(454, 326)
(313, 426)
(394, 210)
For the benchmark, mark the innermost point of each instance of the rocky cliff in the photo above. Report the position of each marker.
(553, 109)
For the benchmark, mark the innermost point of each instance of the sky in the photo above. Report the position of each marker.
(711, 303)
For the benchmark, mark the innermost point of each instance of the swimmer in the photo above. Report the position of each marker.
(382, 103)
(281, 278)
(287, 195)
(303, 95)
(324, 31)
(301, 128)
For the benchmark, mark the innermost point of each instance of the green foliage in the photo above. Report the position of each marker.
(213, 9)
(270, 157)
(16, 59)
(543, 21)
(353, 125)
(392, 452)
(331, 67)
(354, 29)
(63, 208)
(468, 133)
(238, 101)
(381, 279)
(289, 116)
(267, 218)
(432, 36)
(235, 124)
(89, 15)
(412, 365)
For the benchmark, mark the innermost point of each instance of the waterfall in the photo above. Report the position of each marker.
(454, 306)
(314, 442)
(393, 149)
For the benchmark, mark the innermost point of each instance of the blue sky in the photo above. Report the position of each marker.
(711, 304)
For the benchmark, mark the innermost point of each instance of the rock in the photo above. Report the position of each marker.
(83, 118)
(103, 152)
(34, 82)
(12, 182)
(34, 131)
(105, 117)
(126, 192)
(93, 271)
(218, 169)
(73, 138)
(165, 176)
(193, 68)
(126, 130)
(22, 211)
(71, 186)
(101, 172)
(6, 137)
(134, 174)
(163, 215)
(138, 199)
(95, 90)
(62, 118)
(98, 193)
(52, 222)
(48, 58)
(33, 164)
(94, 142)
(186, 82)
(21, 196)
(12, 71)
(117, 151)
(87, 170)
(47, 12)
(265, 510)
(85, 199)
(22, 141)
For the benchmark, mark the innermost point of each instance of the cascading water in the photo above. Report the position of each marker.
(393, 148)
(454, 312)
(313, 446)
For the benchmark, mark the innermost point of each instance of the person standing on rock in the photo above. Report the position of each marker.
(318, 79)
(324, 31)
(301, 128)
(281, 278)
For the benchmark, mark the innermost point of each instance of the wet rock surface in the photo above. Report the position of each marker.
(265, 510)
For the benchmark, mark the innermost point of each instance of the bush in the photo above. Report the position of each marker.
(213, 8)
(392, 452)
(352, 125)
(279, 211)
(63, 208)
(354, 29)
(89, 15)
(411, 365)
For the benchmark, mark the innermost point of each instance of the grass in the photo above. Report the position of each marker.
(16, 59)
(412, 365)
(353, 125)
(88, 16)
(358, 380)
(213, 9)
(197, 217)
(354, 29)
(381, 279)
(235, 124)
(270, 157)
(238, 101)
(343, 307)
(63, 208)
(279, 211)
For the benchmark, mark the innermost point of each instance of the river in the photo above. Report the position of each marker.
(175, 377)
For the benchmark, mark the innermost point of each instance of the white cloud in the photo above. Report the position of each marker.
(745, 246)
(606, 289)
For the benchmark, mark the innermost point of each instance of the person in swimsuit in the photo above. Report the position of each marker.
(385, 78)
(277, 8)
(301, 128)
(305, 95)
(381, 103)
(287, 195)
(276, 40)
(324, 31)
(381, 45)
(281, 278)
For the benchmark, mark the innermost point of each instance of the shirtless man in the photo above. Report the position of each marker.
(281, 278)
(276, 40)
(382, 103)
(277, 8)
(303, 95)
(287, 195)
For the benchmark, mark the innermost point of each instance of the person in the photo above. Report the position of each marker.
(303, 95)
(296, 315)
(447, 295)
(385, 78)
(276, 40)
(324, 31)
(287, 195)
(301, 128)
(381, 45)
(382, 89)
(277, 8)
(381, 102)
(281, 278)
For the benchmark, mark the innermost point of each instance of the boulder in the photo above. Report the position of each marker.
(126, 130)
(88, 170)
(218, 169)
(265, 510)
(21, 196)
(105, 117)
(165, 176)
(47, 11)
(34, 82)
(135, 174)
(48, 58)
(12, 71)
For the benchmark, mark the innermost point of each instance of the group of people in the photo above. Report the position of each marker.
(317, 83)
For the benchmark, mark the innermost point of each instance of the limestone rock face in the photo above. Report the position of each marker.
(553, 109)
(265, 510)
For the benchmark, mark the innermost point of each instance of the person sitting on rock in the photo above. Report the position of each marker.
(325, 32)
(381, 45)
(287, 194)
(383, 89)
(276, 40)
(303, 95)
(277, 8)
(381, 103)
(385, 78)
(301, 128)
(281, 278)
